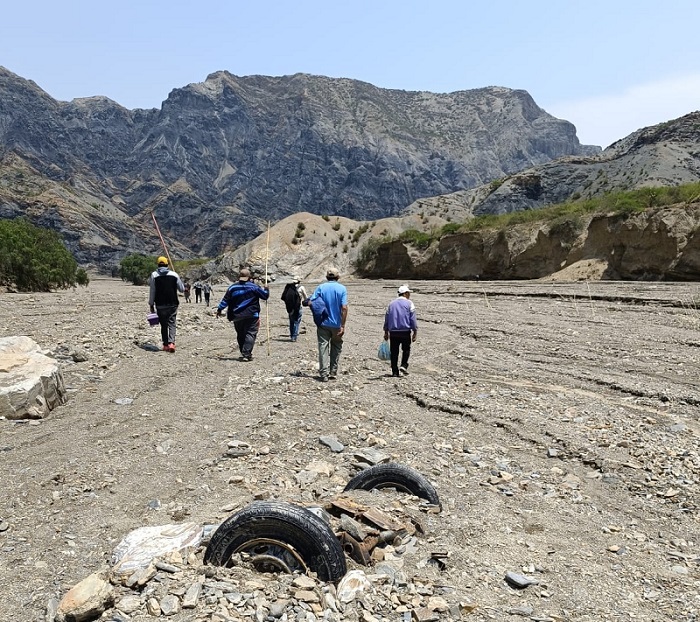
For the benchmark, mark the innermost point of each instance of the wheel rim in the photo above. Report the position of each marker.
(268, 555)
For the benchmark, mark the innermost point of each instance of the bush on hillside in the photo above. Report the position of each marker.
(136, 268)
(35, 259)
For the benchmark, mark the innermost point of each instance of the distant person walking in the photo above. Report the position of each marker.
(293, 295)
(401, 329)
(206, 290)
(164, 284)
(243, 302)
(330, 331)
(188, 290)
(198, 291)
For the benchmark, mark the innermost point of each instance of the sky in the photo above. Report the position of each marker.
(608, 66)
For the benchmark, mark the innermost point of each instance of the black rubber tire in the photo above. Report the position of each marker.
(307, 535)
(393, 475)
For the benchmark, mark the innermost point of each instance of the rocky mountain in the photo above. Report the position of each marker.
(223, 157)
(667, 154)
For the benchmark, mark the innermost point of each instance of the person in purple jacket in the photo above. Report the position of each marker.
(401, 329)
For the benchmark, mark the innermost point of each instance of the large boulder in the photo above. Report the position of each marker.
(31, 383)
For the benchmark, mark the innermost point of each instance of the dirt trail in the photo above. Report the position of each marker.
(558, 422)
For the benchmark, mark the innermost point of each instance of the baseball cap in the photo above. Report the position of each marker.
(332, 273)
(403, 289)
(162, 261)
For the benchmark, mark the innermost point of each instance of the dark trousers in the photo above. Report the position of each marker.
(399, 339)
(206, 298)
(246, 334)
(197, 295)
(167, 316)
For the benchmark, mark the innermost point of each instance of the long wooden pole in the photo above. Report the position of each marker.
(162, 241)
(267, 308)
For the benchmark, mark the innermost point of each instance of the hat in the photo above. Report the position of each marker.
(403, 289)
(332, 273)
(162, 261)
(296, 279)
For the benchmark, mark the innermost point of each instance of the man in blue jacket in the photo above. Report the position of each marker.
(330, 332)
(401, 329)
(243, 302)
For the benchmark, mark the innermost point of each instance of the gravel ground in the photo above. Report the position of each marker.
(557, 422)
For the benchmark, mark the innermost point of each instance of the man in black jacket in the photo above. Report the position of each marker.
(164, 285)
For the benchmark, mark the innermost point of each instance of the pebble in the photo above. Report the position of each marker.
(519, 581)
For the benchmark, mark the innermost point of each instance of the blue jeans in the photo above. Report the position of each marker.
(294, 324)
(329, 348)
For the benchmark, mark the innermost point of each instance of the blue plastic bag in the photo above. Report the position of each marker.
(384, 352)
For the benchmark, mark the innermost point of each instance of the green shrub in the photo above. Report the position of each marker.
(336, 225)
(35, 259)
(416, 238)
(326, 217)
(136, 268)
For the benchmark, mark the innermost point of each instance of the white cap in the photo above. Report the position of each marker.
(403, 289)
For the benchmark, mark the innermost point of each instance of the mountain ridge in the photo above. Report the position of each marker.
(222, 157)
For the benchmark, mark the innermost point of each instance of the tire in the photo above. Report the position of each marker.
(279, 536)
(397, 476)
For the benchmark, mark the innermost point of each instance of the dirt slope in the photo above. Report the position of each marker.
(559, 424)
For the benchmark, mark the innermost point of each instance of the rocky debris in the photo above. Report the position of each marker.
(31, 383)
(86, 600)
(501, 372)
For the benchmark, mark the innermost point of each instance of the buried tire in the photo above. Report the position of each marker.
(392, 475)
(280, 537)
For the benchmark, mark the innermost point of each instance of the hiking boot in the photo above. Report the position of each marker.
(403, 370)
(395, 374)
(247, 357)
(324, 379)
(333, 375)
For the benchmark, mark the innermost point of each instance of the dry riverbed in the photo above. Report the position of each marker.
(558, 423)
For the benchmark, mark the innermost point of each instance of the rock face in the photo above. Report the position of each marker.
(667, 154)
(222, 157)
(659, 244)
(31, 384)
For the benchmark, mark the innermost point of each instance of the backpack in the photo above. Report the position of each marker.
(291, 297)
(318, 310)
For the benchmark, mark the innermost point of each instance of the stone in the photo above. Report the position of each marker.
(332, 443)
(170, 605)
(129, 603)
(86, 600)
(189, 600)
(519, 581)
(31, 383)
(353, 584)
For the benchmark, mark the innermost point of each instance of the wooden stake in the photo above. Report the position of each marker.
(267, 308)
(162, 241)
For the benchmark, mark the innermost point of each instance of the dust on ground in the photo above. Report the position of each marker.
(557, 421)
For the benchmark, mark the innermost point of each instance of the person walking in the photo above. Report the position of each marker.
(164, 284)
(243, 302)
(197, 291)
(401, 329)
(188, 290)
(330, 330)
(293, 295)
(206, 290)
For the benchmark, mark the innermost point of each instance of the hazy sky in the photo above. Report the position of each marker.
(608, 66)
